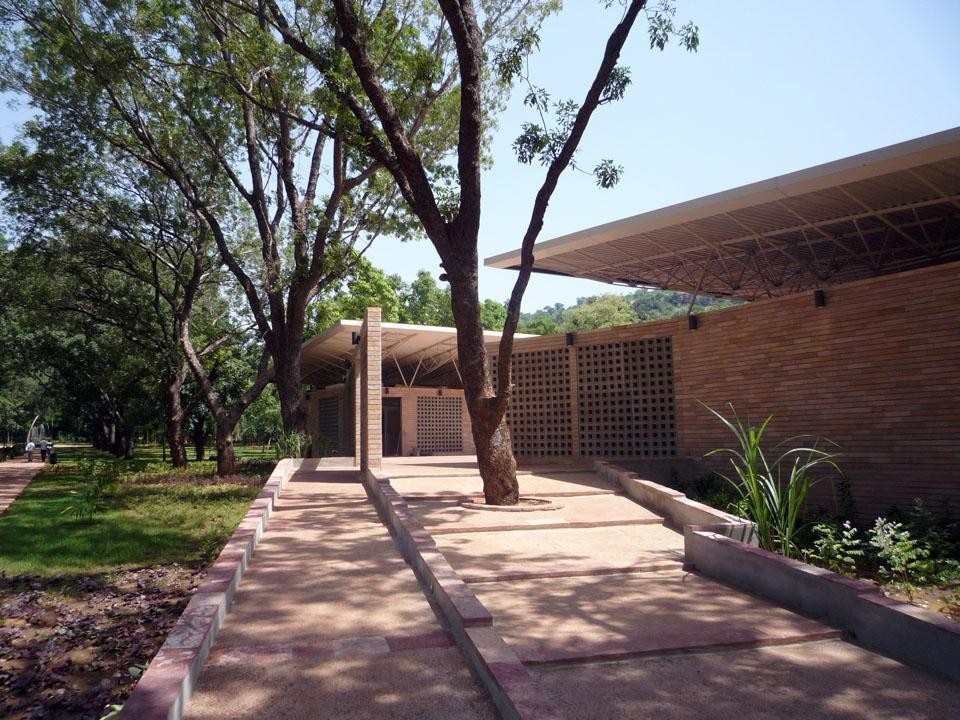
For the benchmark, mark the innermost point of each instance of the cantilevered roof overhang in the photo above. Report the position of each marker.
(885, 211)
(412, 354)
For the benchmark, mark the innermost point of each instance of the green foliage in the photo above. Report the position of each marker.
(424, 302)
(921, 550)
(598, 312)
(901, 556)
(364, 286)
(836, 547)
(98, 479)
(291, 445)
(543, 138)
(493, 315)
(591, 313)
(160, 522)
(774, 491)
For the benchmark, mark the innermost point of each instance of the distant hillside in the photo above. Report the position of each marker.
(610, 309)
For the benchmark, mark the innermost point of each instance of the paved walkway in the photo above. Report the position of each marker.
(330, 622)
(593, 597)
(15, 475)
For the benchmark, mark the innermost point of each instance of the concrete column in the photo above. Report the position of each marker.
(355, 399)
(574, 402)
(371, 391)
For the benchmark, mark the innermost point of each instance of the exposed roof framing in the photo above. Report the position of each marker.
(880, 212)
(412, 354)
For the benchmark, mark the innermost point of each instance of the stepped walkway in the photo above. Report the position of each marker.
(599, 615)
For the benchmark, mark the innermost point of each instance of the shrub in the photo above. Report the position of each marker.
(836, 547)
(98, 479)
(900, 555)
(773, 492)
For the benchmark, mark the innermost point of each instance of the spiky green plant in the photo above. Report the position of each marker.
(773, 492)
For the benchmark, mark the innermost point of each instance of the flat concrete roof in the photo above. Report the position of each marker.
(884, 211)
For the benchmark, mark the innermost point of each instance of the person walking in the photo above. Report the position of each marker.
(43, 449)
(29, 448)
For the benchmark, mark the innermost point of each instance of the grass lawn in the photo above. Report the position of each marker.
(150, 517)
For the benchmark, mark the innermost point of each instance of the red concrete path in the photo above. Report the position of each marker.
(15, 475)
(329, 621)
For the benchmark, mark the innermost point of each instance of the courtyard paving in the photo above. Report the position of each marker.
(594, 598)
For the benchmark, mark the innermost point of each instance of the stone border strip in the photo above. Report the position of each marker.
(163, 691)
(723, 547)
(676, 508)
(574, 571)
(515, 692)
(547, 525)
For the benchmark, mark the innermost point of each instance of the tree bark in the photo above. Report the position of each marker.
(226, 457)
(286, 358)
(200, 441)
(495, 459)
(174, 431)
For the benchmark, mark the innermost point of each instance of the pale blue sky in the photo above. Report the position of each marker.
(776, 87)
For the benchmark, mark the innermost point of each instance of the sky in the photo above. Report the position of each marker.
(775, 87)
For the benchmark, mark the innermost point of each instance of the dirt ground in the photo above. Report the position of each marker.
(72, 647)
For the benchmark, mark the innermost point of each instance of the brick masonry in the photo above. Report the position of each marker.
(877, 370)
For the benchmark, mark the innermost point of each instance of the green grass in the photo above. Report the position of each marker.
(138, 525)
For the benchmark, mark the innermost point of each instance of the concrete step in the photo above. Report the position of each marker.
(541, 551)
(589, 618)
(830, 680)
(450, 516)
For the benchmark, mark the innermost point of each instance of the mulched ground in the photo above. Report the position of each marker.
(71, 647)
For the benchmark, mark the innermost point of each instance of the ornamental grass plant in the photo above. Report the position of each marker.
(773, 492)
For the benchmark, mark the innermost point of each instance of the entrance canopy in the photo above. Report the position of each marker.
(880, 212)
(412, 354)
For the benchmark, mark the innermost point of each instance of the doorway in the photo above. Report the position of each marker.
(392, 427)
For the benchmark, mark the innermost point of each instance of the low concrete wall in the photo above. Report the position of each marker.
(163, 691)
(515, 692)
(675, 507)
(900, 630)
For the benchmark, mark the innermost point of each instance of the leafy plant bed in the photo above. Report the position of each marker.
(72, 647)
(944, 599)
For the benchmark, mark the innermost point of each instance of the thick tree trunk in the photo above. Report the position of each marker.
(498, 468)
(122, 445)
(174, 431)
(495, 459)
(199, 437)
(286, 360)
(226, 457)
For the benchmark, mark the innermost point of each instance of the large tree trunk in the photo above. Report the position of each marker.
(226, 457)
(200, 441)
(497, 465)
(174, 431)
(286, 360)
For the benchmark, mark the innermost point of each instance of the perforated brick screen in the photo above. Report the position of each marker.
(439, 424)
(539, 412)
(626, 399)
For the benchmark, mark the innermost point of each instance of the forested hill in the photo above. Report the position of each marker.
(611, 309)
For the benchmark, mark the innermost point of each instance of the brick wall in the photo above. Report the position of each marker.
(876, 370)
(408, 415)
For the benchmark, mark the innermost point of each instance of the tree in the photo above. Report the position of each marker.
(493, 315)
(446, 200)
(364, 286)
(424, 302)
(202, 93)
(598, 312)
